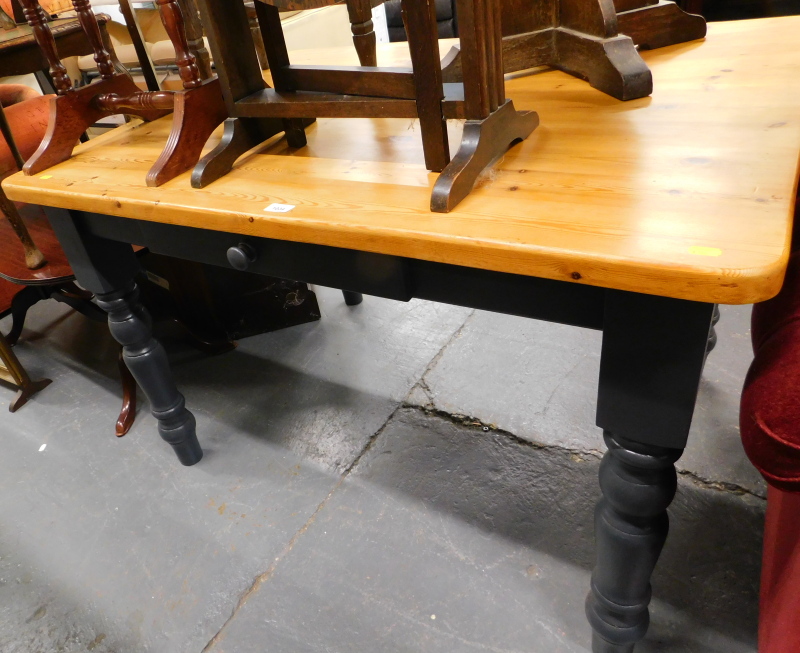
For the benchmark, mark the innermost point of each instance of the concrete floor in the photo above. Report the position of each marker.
(394, 478)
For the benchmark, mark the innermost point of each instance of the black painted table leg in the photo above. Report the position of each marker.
(352, 298)
(631, 525)
(147, 361)
(107, 269)
(652, 358)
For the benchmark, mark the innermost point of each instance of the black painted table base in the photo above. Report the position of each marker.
(651, 361)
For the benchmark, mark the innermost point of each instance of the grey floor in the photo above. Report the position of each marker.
(394, 478)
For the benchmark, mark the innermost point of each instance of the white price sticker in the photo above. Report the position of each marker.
(279, 208)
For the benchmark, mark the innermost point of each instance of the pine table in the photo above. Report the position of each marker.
(632, 218)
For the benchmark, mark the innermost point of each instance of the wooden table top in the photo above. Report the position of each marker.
(686, 194)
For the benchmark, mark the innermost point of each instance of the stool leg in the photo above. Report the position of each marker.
(360, 12)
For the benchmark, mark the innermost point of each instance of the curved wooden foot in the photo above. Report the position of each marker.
(197, 113)
(660, 25)
(631, 524)
(144, 356)
(11, 371)
(239, 135)
(128, 411)
(483, 142)
(72, 113)
(26, 392)
(611, 65)
(21, 302)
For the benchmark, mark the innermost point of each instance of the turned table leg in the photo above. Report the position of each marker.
(652, 358)
(631, 525)
(107, 269)
(146, 359)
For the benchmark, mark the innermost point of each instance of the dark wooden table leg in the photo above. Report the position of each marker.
(107, 269)
(352, 298)
(652, 358)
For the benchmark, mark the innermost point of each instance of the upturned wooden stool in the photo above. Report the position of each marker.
(596, 40)
(304, 92)
(198, 108)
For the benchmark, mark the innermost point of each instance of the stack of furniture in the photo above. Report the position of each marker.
(580, 228)
(257, 112)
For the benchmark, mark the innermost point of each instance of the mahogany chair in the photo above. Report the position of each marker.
(197, 109)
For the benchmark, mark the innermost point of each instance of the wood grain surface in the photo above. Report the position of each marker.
(686, 194)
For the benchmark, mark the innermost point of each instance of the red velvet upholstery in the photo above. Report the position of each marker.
(779, 621)
(770, 410)
(27, 113)
(770, 427)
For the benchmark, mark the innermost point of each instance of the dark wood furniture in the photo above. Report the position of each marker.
(11, 370)
(630, 219)
(305, 92)
(197, 109)
(21, 55)
(194, 39)
(360, 14)
(596, 40)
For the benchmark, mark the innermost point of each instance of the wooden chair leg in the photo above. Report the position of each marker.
(128, 412)
(420, 21)
(33, 256)
(26, 392)
(11, 371)
(360, 13)
(20, 304)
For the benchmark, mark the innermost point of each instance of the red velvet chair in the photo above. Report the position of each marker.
(770, 428)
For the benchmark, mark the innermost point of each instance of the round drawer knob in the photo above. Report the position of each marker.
(242, 256)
